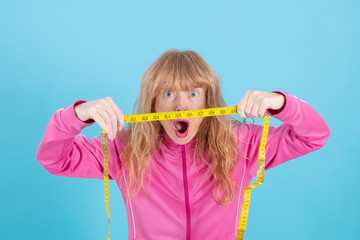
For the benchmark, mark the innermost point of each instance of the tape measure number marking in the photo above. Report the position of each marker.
(180, 114)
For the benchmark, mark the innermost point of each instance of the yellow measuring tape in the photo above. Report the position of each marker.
(192, 114)
(259, 180)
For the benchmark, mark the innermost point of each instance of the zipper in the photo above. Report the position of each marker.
(186, 190)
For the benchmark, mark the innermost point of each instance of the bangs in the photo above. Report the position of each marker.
(180, 73)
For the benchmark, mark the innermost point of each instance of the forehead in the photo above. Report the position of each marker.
(180, 85)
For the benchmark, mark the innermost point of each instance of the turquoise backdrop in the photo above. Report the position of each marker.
(53, 53)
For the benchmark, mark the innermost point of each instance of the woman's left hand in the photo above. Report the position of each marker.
(255, 103)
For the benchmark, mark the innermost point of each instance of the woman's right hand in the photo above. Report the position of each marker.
(103, 111)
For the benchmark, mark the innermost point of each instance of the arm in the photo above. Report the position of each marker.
(303, 131)
(63, 152)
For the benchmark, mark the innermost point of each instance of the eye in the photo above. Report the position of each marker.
(194, 94)
(168, 94)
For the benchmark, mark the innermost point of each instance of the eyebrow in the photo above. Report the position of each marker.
(165, 89)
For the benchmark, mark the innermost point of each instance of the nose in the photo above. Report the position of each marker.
(181, 104)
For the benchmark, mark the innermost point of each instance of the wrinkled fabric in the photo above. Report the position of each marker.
(178, 202)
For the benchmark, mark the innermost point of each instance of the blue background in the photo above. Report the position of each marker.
(53, 53)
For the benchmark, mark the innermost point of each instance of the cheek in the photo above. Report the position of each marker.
(196, 123)
(202, 103)
(167, 125)
(160, 106)
(156, 106)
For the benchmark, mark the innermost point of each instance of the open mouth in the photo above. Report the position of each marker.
(181, 127)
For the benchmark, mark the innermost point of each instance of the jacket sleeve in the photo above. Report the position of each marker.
(63, 152)
(303, 131)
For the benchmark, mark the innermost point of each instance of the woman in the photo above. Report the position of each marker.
(192, 172)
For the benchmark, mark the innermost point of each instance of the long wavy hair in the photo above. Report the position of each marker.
(216, 144)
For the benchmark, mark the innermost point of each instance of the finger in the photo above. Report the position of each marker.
(256, 105)
(107, 118)
(119, 115)
(241, 105)
(262, 108)
(112, 120)
(106, 112)
(100, 119)
(249, 104)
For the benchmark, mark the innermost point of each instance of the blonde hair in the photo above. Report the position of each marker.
(184, 70)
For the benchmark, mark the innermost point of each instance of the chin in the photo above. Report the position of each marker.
(181, 141)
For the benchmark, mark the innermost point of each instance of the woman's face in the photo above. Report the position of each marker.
(169, 101)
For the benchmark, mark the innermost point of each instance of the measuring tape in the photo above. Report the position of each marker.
(192, 114)
(259, 180)
(106, 174)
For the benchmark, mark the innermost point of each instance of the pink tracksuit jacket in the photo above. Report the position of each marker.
(179, 203)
